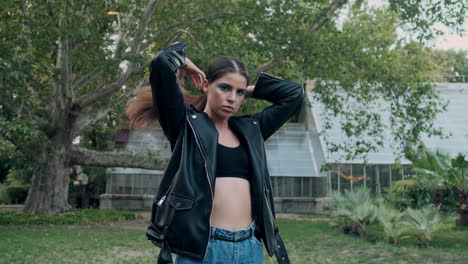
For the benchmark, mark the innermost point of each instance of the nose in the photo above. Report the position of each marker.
(231, 97)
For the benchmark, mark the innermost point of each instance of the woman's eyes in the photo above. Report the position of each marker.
(227, 88)
(241, 92)
(224, 87)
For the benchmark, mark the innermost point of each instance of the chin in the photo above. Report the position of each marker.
(226, 115)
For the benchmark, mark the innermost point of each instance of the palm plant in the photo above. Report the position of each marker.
(355, 210)
(458, 178)
(437, 169)
(392, 222)
(424, 222)
(408, 193)
(364, 214)
(431, 168)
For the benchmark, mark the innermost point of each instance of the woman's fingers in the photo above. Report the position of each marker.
(197, 79)
(201, 78)
(194, 80)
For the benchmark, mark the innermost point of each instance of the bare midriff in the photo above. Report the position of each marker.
(232, 205)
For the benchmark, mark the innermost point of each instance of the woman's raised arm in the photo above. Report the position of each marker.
(168, 101)
(286, 97)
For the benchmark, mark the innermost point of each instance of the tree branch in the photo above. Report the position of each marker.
(50, 11)
(62, 84)
(88, 119)
(43, 124)
(86, 157)
(109, 89)
(136, 44)
(267, 66)
(185, 24)
(85, 80)
(25, 148)
(176, 35)
(317, 25)
(325, 18)
(200, 19)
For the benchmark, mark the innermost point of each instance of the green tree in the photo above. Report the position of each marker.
(66, 65)
(453, 64)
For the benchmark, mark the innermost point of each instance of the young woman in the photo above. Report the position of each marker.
(214, 204)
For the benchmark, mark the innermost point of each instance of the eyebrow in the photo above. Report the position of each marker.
(225, 84)
(228, 85)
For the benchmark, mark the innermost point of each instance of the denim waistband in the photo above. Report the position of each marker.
(235, 235)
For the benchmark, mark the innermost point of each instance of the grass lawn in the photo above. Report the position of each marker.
(307, 241)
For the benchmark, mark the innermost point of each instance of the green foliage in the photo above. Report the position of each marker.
(55, 53)
(431, 168)
(355, 210)
(13, 194)
(77, 216)
(453, 65)
(308, 241)
(6, 148)
(392, 221)
(365, 68)
(96, 174)
(458, 175)
(422, 16)
(436, 169)
(425, 222)
(409, 193)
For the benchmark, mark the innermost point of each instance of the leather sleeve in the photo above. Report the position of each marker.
(286, 97)
(167, 97)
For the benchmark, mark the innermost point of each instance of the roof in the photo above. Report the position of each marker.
(454, 123)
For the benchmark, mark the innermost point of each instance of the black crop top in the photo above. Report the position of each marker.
(233, 162)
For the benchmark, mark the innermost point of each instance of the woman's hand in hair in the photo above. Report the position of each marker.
(249, 91)
(190, 70)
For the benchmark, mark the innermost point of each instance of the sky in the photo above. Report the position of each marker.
(453, 41)
(448, 41)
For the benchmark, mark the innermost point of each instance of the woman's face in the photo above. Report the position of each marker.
(225, 95)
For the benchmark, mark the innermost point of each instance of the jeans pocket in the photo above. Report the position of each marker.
(256, 241)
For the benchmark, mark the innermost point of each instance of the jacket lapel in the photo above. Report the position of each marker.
(208, 135)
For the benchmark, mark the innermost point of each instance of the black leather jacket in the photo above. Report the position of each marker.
(180, 220)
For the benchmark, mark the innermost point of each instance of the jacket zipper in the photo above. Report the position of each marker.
(163, 198)
(209, 181)
(268, 206)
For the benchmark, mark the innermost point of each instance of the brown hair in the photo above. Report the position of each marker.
(139, 109)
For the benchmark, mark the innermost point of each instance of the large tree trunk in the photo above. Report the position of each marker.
(49, 186)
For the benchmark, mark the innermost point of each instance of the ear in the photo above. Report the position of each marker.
(205, 85)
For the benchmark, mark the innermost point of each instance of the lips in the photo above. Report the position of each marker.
(229, 108)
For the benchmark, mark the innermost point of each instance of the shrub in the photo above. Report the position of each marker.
(392, 221)
(354, 209)
(409, 193)
(13, 193)
(424, 222)
(78, 216)
(3, 195)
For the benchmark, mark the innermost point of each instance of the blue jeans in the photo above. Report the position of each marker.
(226, 247)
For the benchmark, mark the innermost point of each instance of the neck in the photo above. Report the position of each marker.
(221, 124)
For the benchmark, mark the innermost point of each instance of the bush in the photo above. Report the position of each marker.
(409, 194)
(13, 194)
(355, 210)
(78, 216)
(3, 195)
(392, 222)
(424, 222)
